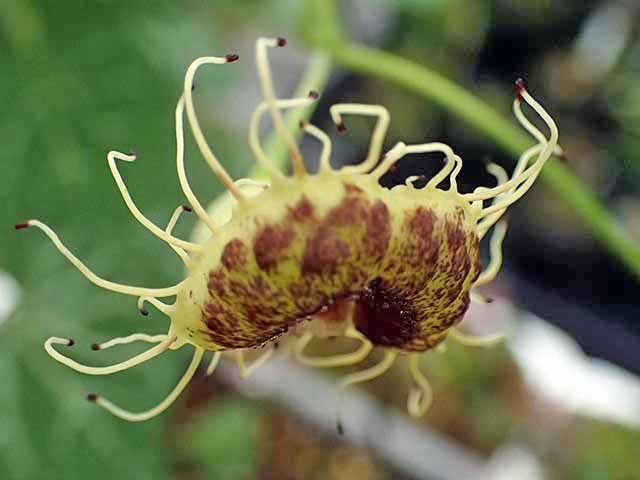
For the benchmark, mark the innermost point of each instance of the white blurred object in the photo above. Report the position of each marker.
(602, 40)
(489, 319)
(555, 367)
(513, 461)
(408, 446)
(9, 295)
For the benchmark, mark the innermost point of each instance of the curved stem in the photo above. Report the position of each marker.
(110, 369)
(315, 78)
(160, 407)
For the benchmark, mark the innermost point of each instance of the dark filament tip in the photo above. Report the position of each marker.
(70, 342)
(144, 311)
(187, 208)
(342, 128)
(520, 87)
(20, 226)
(92, 397)
(313, 95)
(340, 428)
(95, 346)
(232, 57)
(302, 123)
(281, 41)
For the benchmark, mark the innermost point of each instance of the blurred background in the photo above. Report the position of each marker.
(559, 400)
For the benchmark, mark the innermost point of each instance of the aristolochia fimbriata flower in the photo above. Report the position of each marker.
(324, 254)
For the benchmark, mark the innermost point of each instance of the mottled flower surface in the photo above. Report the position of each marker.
(406, 258)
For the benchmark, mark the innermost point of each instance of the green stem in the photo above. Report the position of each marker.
(452, 97)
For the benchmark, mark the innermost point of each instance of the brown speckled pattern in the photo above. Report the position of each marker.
(424, 285)
(411, 275)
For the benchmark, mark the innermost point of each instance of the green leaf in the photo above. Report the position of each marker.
(224, 440)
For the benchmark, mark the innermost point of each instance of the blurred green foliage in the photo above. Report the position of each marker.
(225, 441)
(600, 451)
(78, 81)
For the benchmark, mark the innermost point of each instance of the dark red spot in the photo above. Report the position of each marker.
(95, 346)
(232, 57)
(323, 252)
(456, 236)
(350, 211)
(302, 210)
(341, 127)
(378, 228)
(422, 222)
(281, 42)
(313, 95)
(425, 248)
(457, 246)
(234, 254)
(302, 124)
(384, 318)
(187, 208)
(19, 226)
(270, 244)
(92, 397)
